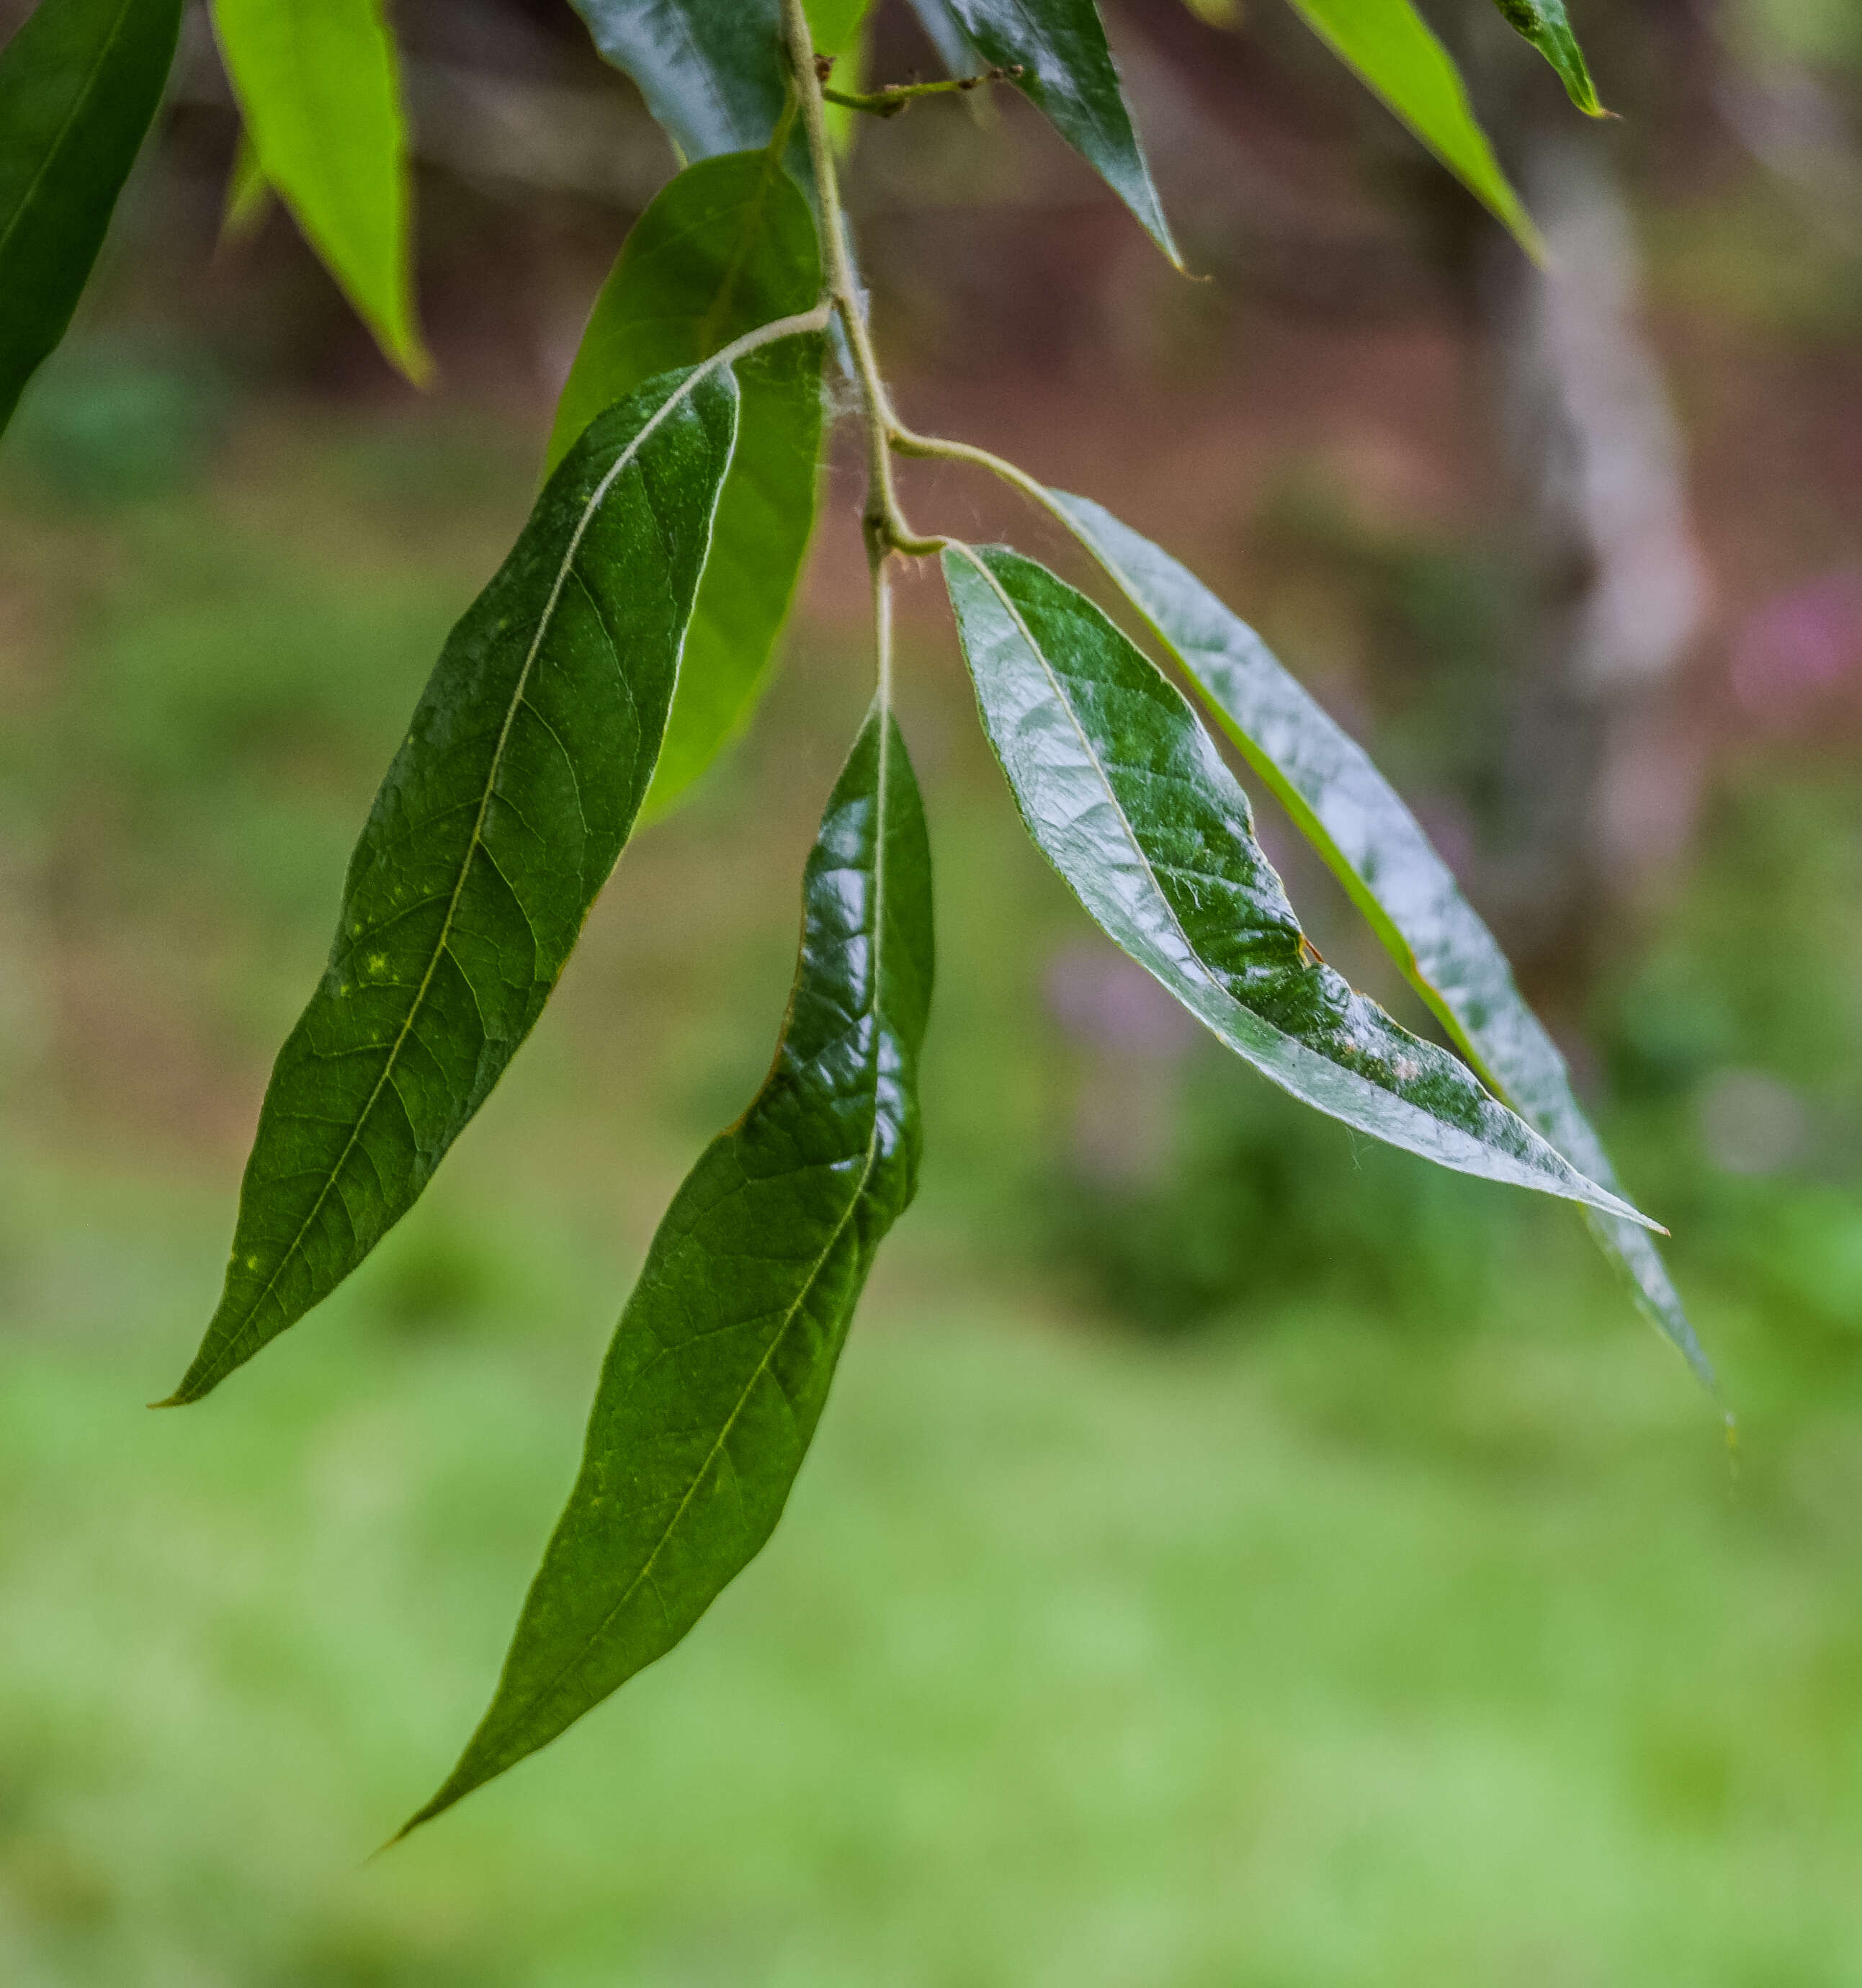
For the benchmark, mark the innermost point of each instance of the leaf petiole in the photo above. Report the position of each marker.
(890, 98)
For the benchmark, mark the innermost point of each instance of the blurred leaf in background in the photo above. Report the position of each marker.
(319, 84)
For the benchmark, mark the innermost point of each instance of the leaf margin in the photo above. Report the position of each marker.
(1215, 1004)
(224, 1347)
(1090, 113)
(1533, 1059)
(1450, 129)
(382, 296)
(699, 727)
(1545, 25)
(892, 1065)
(44, 24)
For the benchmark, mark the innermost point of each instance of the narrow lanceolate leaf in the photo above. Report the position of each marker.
(1059, 46)
(79, 84)
(500, 818)
(319, 88)
(711, 71)
(718, 1370)
(1391, 47)
(729, 244)
(1354, 818)
(1547, 26)
(1127, 796)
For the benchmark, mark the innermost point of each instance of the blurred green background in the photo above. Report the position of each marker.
(1234, 1554)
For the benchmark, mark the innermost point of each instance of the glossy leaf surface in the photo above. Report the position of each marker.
(715, 1380)
(727, 245)
(1547, 26)
(1376, 848)
(712, 74)
(1393, 49)
(1126, 795)
(79, 85)
(319, 88)
(1060, 46)
(523, 769)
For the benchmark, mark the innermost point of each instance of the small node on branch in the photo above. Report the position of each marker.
(824, 68)
(890, 98)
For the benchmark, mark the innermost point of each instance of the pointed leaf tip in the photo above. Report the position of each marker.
(521, 775)
(319, 85)
(1547, 25)
(80, 82)
(721, 1363)
(1358, 823)
(1125, 794)
(1066, 71)
(1397, 54)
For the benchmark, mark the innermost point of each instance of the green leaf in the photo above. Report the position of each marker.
(835, 25)
(1391, 47)
(79, 85)
(727, 245)
(249, 195)
(1547, 26)
(837, 28)
(1124, 793)
(499, 820)
(1067, 71)
(712, 74)
(318, 86)
(1353, 816)
(712, 1388)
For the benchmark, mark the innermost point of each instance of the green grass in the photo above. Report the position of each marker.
(1306, 1657)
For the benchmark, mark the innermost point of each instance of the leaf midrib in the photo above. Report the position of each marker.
(543, 1691)
(1214, 985)
(1105, 780)
(1423, 968)
(596, 498)
(79, 102)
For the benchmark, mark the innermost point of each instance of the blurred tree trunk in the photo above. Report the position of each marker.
(1600, 780)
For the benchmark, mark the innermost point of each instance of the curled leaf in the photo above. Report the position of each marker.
(1125, 794)
(711, 71)
(1376, 848)
(944, 32)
